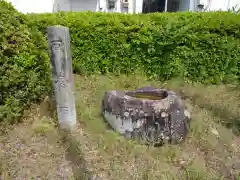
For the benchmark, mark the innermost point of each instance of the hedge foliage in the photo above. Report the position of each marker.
(24, 69)
(202, 47)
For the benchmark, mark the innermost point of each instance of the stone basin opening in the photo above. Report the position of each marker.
(148, 95)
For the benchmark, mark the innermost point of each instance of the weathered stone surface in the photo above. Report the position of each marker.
(154, 116)
(62, 76)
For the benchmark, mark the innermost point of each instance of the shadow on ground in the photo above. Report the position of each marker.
(73, 152)
(75, 155)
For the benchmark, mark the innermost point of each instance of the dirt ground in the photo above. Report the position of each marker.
(35, 149)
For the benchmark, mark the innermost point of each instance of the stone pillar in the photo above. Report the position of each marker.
(62, 76)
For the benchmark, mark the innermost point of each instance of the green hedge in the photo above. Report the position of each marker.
(24, 71)
(201, 47)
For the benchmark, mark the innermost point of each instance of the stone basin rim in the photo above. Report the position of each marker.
(160, 95)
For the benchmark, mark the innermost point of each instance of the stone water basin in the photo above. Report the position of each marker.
(150, 115)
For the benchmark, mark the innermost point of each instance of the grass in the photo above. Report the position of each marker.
(211, 151)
